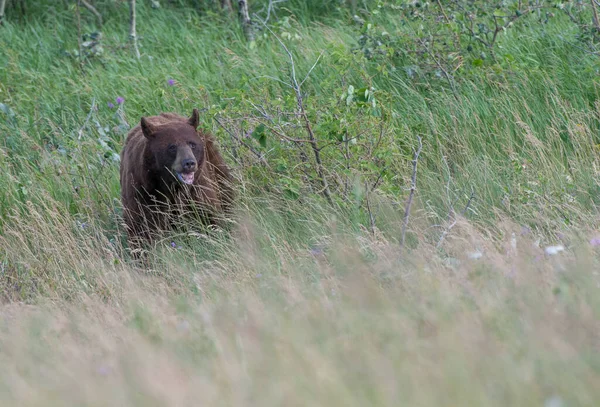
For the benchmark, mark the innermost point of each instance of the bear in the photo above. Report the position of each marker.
(170, 169)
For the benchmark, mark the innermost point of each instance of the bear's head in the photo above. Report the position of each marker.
(177, 148)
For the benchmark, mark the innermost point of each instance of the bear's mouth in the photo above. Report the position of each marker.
(186, 177)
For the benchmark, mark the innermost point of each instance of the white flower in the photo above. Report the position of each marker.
(552, 250)
(475, 255)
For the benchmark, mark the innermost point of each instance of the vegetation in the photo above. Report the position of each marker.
(418, 188)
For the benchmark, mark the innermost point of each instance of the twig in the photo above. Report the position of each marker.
(132, 29)
(259, 155)
(270, 10)
(501, 27)
(2, 5)
(279, 134)
(87, 119)
(443, 11)
(302, 113)
(413, 188)
(311, 68)
(92, 9)
(449, 78)
(446, 231)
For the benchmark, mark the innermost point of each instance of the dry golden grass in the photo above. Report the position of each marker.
(356, 321)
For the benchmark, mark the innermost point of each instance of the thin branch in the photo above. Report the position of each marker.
(311, 69)
(259, 155)
(446, 231)
(2, 5)
(92, 9)
(413, 188)
(449, 78)
(302, 113)
(443, 11)
(132, 28)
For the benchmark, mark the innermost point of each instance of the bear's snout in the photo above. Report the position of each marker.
(189, 165)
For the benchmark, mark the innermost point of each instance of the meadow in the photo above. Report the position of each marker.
(441, 250)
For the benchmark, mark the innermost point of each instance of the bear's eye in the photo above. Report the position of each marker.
(172, 148)
(192, 145)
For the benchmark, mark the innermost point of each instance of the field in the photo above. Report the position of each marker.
(324, 291)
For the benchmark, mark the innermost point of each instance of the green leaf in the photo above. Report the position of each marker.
(259, 135)
(362, 95)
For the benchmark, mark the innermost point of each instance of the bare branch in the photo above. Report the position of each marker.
(259, 155)
(132, 28)
(449, 77)
(302, 113)
(92, 9)
(311, 69)
(2, 5)
(452, 216)
(413, 188)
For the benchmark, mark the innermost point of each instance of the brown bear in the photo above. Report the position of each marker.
(170, 169)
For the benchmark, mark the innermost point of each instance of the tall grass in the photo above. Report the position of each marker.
(264, 319)
(302, 303)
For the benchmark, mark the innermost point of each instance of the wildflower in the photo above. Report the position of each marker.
(595, 241)
(110, 105)
(552, 250)
(171, 82)
(120, 100)
(173, 245)
(103, 370)
(475, 255)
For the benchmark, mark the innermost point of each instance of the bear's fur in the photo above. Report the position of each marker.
(169, 169)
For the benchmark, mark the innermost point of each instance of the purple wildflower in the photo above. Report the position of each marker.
(103, 370)
(595, 241)
(171, 82)
(110, 105)
(173, 244)
(120, 100)
(316, 251)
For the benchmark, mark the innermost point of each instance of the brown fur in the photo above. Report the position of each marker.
(152, 196)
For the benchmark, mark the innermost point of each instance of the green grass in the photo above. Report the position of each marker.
(302, 303)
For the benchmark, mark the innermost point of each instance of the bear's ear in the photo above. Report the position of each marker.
(194, 121)
(147, 128)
